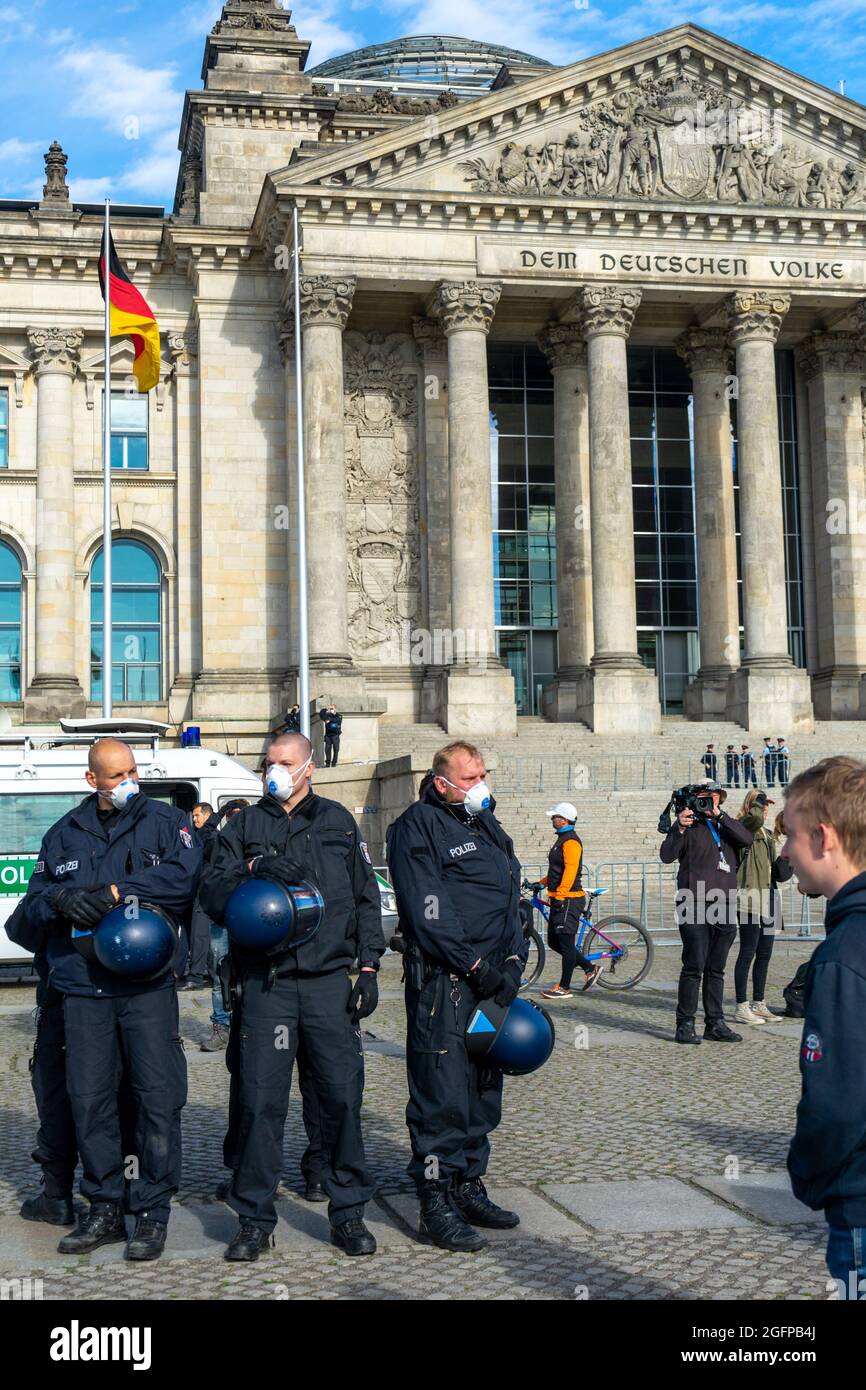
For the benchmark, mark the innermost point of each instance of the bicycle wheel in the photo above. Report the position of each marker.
(535, 963)
(631, 962)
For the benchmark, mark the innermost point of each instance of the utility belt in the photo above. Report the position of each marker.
(418, 969)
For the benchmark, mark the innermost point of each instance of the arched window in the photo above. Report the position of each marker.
(136, 665)
(10, 624)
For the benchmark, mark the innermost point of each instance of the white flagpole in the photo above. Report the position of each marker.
(303, 623)
(106, 489)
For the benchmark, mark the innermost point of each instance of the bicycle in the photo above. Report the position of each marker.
(633, 943)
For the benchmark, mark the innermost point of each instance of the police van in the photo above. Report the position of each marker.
(42, 777)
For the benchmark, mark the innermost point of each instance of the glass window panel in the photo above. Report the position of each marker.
(511, 460)
(10, 566)
(640, 416)
(142, 683)
(649, 609)
(537, 371)
(646, 557)
(675, 509)
(136, 451)
(504, 365)
(506, 412)
(544, 658)
(672, 417)
(675, 462)
(4, 407)
(543, 605)
(4, 449)
(643, 501)
(10, 687)
(791, 511)
(795, 615)
(128, 413)
(539, 412)
(10, 645)
(131, 564)
(642, 461)
(117, 442)
(680, 604)
(641, 376)
(678, 558)
(512, 603)
(10, 605)
(672, 374)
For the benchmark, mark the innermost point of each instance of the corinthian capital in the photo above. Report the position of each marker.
(705, 350)
(831, 352)
(429, 338)
(563, 345)
(326, 299)
(465, 304)
(756, 315)
(607, 309)
(55, 349)
(858, 318)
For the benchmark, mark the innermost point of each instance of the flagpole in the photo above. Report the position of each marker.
(106, 486)
(303, 622)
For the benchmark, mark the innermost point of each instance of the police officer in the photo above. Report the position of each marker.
(732, 766)
(710, 762)
(770, 760)
(748, 760)
(333, 723)
(567, 899)
(457, 883)
(118, 846)
(288, 835)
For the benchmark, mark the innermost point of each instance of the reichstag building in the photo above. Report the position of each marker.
(584, 371)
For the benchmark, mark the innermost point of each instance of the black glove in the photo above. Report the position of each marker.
(512, 974)
(364, 997)
(84, 906)
(486, 980)
(277, 869)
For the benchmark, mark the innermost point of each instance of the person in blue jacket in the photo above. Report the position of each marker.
(457, 883)
(825, 816)
(118, 847)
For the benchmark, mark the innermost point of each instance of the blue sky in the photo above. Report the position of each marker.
(107, 80)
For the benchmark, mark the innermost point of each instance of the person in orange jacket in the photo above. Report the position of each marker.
(567, 898)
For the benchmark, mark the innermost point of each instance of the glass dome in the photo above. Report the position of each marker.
(435, 60)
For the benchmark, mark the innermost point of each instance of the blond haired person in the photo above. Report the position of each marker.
(759, 871)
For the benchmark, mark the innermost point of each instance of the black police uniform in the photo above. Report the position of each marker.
(333, 728)
(151, 853)
(306, 992)
(457, 883)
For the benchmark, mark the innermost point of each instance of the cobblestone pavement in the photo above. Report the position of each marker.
(642, 1170)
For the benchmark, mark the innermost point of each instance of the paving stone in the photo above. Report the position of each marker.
(767, 1196)
(649, 1204)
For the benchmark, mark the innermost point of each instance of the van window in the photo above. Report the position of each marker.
(26, 816)
(183, 795)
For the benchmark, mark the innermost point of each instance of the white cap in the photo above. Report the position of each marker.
(564, 809)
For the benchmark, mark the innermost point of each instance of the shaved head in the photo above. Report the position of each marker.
(109, 762)
(295, 747)
(106, 750)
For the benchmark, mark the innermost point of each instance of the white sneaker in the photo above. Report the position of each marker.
(759, 1007)
(745, 1014)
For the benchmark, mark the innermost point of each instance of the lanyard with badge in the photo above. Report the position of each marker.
(723, 863)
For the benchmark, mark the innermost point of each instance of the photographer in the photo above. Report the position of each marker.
(706, 842)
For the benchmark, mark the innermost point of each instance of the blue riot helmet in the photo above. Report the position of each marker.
(265, 916)
(83, 941)
(517, 1039)
(136, 941)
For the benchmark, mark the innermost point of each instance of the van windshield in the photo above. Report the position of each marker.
(26, 816)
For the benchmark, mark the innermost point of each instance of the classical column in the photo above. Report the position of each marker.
(768, 691)
(709, 360)
(55, 690)
(477, 695)
(325, 304)
(565, 350)
(834, 367)
(434, 492)
(618, 694)
(183, 348)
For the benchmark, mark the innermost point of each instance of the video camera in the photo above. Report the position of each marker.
(696, 797)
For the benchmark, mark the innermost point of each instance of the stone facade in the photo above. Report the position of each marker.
(678, 193)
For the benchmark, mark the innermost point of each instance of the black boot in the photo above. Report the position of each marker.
(249, 1242)
(148, 1240)
(314, 1191)
(57, 1211)
(720, 1032)
(686, 1033)
(473, 1203)
(353, 1238)
(441, 1224)
(102, 1225)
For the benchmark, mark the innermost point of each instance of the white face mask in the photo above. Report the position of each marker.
(281, 783)
(123, 793)
(476, 799)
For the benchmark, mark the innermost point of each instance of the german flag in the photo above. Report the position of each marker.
(130, 315)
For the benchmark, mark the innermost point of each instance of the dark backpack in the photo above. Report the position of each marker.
(794, 993)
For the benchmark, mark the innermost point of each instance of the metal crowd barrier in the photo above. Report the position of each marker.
(626, 772)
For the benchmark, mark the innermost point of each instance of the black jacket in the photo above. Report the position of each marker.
(699, 874)
(827, 1159)
(323, 838)
(208, 834)
(457, 883)
(151, 852)
(333, 723)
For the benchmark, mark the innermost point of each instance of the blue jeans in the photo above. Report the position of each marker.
(846, 1260)
(219, 949)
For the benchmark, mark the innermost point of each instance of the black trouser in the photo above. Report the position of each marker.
(271, 1022)
(562, 927)
(749, 775)
(454, 1103)
(199, 941)
(732, 771)
(142, 1030)
(770, 769)
(756, 944)
(311, 1160)
(332, 749)
(705, 953)
(56, 1148)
